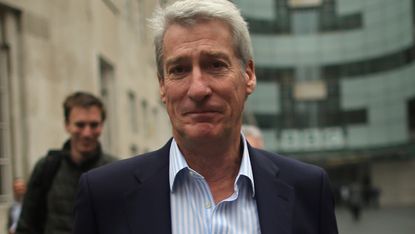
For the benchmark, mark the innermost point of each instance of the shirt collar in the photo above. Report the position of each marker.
(178, 163)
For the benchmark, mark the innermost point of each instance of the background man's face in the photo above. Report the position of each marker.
(19, 188)
(84, 127)
(204, 86)
(255, 141)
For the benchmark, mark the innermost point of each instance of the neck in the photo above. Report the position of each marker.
(218, 163)
(212, 163)
(76, 156)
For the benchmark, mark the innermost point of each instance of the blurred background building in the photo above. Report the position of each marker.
(50, 48)
(336, 87)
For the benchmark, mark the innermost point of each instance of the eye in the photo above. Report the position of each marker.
(80, 124)
(177, 71)
(94, 124)
(217, 66)
(83, 125)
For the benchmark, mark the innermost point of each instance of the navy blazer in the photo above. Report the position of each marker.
(132, 196)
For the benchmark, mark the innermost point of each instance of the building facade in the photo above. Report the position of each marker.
(336, 87)
(49, 49)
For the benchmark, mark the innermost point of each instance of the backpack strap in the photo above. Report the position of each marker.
(50, 168)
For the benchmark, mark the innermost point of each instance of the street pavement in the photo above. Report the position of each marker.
(377, 221)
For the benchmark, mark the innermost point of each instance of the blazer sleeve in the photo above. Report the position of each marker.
(84, 216)
(328, 224)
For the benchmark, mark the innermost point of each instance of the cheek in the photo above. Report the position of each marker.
(172, 110)
(74, 131)
(236, 105)
(97, 131)
(235, 95)
(172, 99)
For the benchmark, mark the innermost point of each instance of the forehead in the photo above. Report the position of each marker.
(79, 112)
(210, 37)
(19, 182)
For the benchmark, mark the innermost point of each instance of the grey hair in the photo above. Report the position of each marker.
(187, 12)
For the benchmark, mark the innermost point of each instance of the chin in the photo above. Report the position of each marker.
(87, 151)
(202, 132)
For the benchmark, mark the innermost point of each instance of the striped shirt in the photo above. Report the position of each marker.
(193, 209)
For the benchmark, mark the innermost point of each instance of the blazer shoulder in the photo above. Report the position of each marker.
(147, 163)
(287, 167)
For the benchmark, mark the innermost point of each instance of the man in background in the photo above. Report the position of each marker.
(253, 135)
(19, 190)
(48, 204)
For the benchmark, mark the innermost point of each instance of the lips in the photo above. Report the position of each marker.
(202, 115)
(197, 113)
(201, 110)
(87, 142)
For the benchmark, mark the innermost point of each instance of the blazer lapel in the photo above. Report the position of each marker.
(275, 199)
(147, 203)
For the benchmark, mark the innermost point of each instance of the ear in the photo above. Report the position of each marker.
(162, 89)
(250, 77)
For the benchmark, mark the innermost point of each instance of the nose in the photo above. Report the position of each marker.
(199, 88)
(87, 131)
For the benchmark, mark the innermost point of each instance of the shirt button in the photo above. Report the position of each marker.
(208, 205)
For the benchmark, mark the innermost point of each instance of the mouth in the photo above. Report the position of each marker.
(202, 116)
(87, 142)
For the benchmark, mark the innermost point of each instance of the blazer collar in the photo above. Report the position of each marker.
(147, 202)
(275, 198)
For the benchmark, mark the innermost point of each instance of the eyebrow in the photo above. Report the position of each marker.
(215, 54)
(209, 54)
(175, 60)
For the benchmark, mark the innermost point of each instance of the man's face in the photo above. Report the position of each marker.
(204, 85)
(84, 127)
(19, 188)
(255, 141)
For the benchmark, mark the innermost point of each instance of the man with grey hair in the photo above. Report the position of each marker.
(207, 178)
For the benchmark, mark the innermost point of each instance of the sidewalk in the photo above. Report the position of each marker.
(377, 221)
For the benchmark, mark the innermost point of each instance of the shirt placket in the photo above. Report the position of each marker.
(206, 204)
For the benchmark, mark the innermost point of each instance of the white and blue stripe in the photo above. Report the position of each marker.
(193, 209)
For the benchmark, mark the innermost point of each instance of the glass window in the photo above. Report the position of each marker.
(266, 121)
(132, 103)
(304, 22)
(304, 3)
(144, 119)
(4, 108)
(112, 5)
(107, 78)
(134, 149)
(3, 190)
(411, 117)
(355, 116)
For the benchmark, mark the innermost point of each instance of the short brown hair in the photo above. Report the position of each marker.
(84, 100)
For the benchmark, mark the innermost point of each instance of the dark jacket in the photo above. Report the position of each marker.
(132, 196)
(57, 208)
